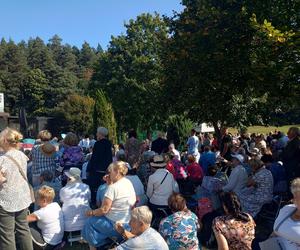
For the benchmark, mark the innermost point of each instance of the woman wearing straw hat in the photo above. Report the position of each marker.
(161, 185)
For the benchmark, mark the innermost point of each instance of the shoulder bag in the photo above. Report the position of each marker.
(24, 177)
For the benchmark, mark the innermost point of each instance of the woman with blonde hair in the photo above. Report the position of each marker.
(118, 201)
(15, 195)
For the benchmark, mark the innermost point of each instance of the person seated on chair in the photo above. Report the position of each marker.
(161, 185)
(235, 230)
(141, 236)
(117, 204)
(238, 176)
(48, 232)
(259, 190)
(180, 229)
(194, 171)
(287, 224)
(75, 198)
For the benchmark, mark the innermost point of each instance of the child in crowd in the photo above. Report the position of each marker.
(48, 232)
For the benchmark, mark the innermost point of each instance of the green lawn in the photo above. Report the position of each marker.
(265, 129)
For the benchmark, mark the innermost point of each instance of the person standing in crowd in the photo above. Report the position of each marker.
(235, 230)
(238, 176)
(160, 145)
(100, 160)
(42, 156)
(291, 154)
(15, 195)
(85, 143)
(225, 145)
(193, 144)
(173, 150)
(208, 158)
(132, 149)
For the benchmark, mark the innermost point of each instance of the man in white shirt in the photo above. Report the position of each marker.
(172, 149)
(238, 177)
(193, 144)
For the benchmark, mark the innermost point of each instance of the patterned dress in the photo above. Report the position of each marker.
(253, 198)
(239, 234)
(180, 230)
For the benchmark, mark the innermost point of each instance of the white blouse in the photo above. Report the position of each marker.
(289, 230)
(14, 193)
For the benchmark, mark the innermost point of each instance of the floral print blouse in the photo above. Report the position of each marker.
(180, 230)
(239, 234)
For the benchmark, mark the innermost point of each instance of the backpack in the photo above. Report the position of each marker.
(204, 207)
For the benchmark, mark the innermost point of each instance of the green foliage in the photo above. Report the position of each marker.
(130, 73)
(74, 114)
(225, 67)
(178, 128)
(38, 76)
(103, 115)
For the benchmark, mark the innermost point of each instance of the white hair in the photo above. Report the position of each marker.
(295, 186)
(103, 131)
(142, 214)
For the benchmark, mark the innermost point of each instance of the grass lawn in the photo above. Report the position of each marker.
(265, 129)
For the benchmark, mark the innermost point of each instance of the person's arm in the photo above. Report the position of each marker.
(31, 218)
(125, 234)
(150, 190)
(232, 181)
(221, 240)
(104, 209)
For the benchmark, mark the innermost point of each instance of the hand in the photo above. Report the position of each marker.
(89, 213)
(119, 228)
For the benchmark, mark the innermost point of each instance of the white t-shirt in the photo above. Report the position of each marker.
(51, 223)
(289, 231)
(123, 197)
(75, 198)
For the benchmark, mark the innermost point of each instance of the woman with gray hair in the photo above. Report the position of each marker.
(141, 236)
(100, 160)
(287, 224)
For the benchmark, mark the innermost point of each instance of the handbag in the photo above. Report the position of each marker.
(24, 177)
(273, 243)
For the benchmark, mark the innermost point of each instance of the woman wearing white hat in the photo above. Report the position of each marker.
(75, 197)
(161, 184)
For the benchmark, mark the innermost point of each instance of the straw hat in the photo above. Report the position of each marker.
(158, 162)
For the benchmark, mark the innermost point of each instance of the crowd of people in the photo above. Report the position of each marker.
(148, 195)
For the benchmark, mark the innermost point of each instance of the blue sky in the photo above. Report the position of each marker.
(75, 21)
